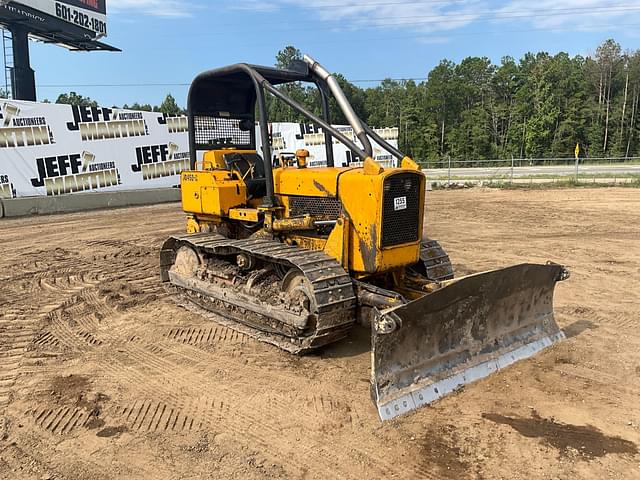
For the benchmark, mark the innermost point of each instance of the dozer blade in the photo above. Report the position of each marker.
(465, 331)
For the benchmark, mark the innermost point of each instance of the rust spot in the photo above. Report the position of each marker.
(369, 250)
(322, 188)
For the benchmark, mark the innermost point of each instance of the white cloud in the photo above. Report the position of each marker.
(423, 16)
(255, 5)
(431, 16)
(158, 8)
(574, 14)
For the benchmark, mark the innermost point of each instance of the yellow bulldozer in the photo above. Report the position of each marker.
(296, 256)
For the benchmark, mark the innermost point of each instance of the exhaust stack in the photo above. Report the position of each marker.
(343, 103)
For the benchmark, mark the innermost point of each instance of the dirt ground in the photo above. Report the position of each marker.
(103, 376)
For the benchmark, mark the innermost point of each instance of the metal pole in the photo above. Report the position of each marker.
(343, 103)
(314, 118)
(23, 78)
(449, 170)
(512, 160)
(328, 139)
(269, 200)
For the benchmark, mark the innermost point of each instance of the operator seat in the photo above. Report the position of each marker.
(251, 167)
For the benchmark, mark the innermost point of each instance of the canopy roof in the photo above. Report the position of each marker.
(232, 90)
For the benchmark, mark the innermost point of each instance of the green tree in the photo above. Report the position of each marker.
(169, 106)
(443, 104)
(145, 107)
(277, 110)
(604, 70)
(505, 84)
(73, 98)
(285, 56)
(539, 106)
(472, 135)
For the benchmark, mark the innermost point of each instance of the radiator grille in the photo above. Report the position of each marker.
(325, 207)
(401, 209)
(219, 132)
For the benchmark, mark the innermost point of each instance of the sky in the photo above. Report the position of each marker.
(166, 43)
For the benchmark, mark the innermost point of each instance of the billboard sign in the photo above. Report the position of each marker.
(75, 24)
(97, 6)
(90, 15)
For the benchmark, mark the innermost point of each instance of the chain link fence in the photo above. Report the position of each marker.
(536, 171)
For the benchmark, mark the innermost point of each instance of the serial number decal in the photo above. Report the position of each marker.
(189, 177)
(72, 15)
(400, 203)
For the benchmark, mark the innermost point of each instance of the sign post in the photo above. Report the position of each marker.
(512, 162)
(23, 81)
(577, 159)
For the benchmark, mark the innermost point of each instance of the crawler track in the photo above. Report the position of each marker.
(436, 262)
(334, 299)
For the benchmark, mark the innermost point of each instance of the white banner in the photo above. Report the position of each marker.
(51, 150)
(288, 137)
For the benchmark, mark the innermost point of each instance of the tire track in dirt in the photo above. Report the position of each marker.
(60, 420)
(608, 386)
(18, 327)
(313, 455)
(83, 307)
(245, 419)
(46, 339)
(16, 337)
(168, 405)
(286, 422)
(174, 386)
(612, 320)
(619, 321)
(174, 394)
(599, 383)
(61, 282)
(186, 395)
(199, 335)
(153, 415)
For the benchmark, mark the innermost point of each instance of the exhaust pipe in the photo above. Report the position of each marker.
(343, 103)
